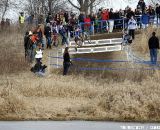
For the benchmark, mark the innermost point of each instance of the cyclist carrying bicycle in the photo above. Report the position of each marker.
(78, 37)
(127, 39)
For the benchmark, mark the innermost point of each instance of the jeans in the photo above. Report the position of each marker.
(66, 66)
(158, 15)
(144, 26)
(31, 54)
(153, 55)
(49, 42)
(43, 42)
(64, 40)
(132, 33)
(111, 25)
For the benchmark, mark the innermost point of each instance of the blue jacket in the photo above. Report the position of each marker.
(145, 19)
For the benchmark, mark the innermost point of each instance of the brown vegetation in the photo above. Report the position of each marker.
(12, 52)
(108, 95)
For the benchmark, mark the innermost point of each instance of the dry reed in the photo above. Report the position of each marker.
(107, 95)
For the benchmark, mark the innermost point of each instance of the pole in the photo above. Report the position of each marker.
(93, 28)
(57, 60)
(123, 24)
(49, 63)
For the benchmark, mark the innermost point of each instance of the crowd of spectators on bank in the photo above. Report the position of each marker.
(107, 19)
(64, 24)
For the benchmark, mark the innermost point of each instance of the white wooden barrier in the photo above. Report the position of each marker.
(83, 50)
(95, 46)
(114, 41)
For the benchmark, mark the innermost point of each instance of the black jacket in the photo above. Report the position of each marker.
(142, 5)
(47, 31)
(28, 44)
(81, 18)
(66, 57)
(158, 10)
(130, 14)
(153, 43)
(111, 15)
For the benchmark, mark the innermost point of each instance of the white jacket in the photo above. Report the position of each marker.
(39, 54)
(132, 24)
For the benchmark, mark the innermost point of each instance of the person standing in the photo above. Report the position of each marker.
(30, 49)
(142, 5)
(145, 20)
(48, 34)
(153, 44)
(21, 21)
(157, 12)
(111, 20)
(132, 25)
(66, 62)
(26, 45)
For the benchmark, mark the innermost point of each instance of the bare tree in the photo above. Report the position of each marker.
(154, 1)
(4, 7)
(84, 5)
(38, 7)
(8, 5)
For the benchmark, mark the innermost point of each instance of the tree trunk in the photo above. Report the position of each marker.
(91, 8)
(84, 7)
(50, 6)
(5, 9)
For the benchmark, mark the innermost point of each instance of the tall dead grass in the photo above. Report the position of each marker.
(141, 42)
(12, 52)
(105, 95)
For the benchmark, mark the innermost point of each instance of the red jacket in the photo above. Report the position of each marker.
(87, 21)
(105, 15)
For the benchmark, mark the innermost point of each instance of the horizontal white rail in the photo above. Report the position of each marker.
(95, 49)
(114, 41)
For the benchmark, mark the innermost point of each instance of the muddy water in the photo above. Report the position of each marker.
(76, 125)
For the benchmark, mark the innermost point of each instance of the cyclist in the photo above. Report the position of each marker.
(127, 39)
(79, 40)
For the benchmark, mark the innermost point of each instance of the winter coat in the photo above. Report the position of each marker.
(158, 10)
(153, 43)
(145, 19)
(87, 22)
(48, 31)
(105, 15)
(39, 54)
(132, 24)
(81, 18)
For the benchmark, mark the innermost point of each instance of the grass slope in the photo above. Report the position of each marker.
(118, 96)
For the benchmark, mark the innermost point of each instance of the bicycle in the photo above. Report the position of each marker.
(127, 39)
(87, 36)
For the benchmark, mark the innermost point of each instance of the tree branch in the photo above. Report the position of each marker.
(92, 1)
(73, 4)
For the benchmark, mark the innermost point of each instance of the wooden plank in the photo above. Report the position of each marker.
(95, 49)
(115, 41)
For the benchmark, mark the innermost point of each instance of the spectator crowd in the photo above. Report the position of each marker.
(60, 27)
